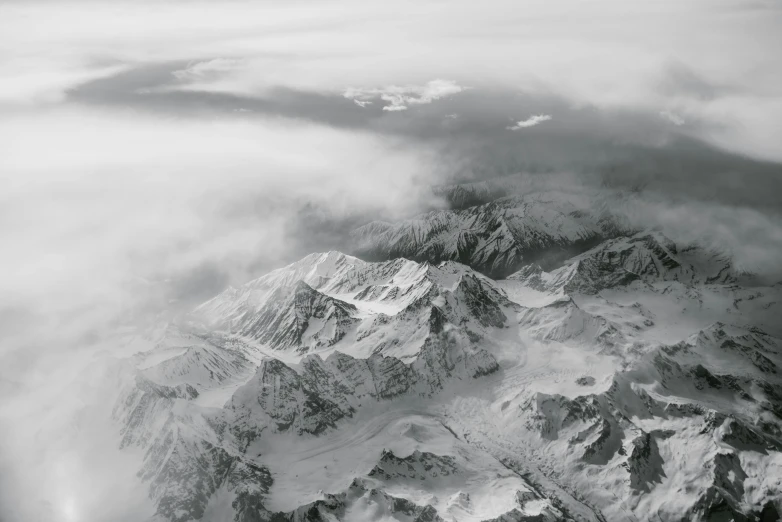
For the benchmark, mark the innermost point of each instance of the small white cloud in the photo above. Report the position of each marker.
(395, 108)
(362, 103)
(530, 122)
(673, 118)
(399, 98)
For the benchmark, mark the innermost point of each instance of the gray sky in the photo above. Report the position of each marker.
(153, 152)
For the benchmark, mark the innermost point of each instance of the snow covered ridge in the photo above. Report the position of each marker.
(639, 380)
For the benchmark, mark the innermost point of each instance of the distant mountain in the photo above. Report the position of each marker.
(646, 256)
(495, 238)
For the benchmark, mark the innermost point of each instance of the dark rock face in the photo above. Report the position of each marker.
(483, 302)
(416, 466)
(185, 484)
(287, 398)
(722, 499)
(593, 276)
(286, 316)
(644, 462)
(549, 414)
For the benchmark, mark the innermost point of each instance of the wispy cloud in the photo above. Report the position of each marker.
(530, 122)
(672, 118)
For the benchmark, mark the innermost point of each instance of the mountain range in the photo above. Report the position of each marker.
(515, 358)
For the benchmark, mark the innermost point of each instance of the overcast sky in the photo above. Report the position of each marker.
(157, 151)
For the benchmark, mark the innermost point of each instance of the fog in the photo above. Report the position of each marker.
(153, 153)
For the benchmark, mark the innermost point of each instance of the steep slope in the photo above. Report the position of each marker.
(298, 316)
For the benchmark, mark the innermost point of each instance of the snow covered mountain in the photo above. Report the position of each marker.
(636, 380)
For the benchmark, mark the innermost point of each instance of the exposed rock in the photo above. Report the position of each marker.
(417, 466)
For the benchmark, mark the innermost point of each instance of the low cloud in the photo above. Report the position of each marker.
(530, 122)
